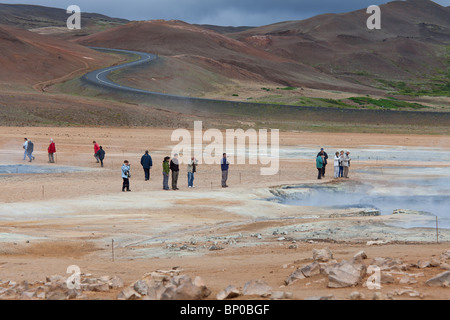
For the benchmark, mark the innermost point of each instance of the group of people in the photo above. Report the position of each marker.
(28, 147)
(341, 164)
(171, 167)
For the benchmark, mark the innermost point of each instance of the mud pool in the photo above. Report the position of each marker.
(418, 191)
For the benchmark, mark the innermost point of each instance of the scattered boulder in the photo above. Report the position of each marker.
(229, 292)
(355, 295)
(359, 257)
(322, 255)
(304, 272)
(440, 280)
(128, 294)
(257, 288)
(345, 274)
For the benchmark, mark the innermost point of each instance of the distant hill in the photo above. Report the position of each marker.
(30, 17)
(28, 58)
(413, 42)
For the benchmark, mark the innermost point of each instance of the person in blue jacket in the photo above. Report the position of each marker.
(224, 165)
(147, 163)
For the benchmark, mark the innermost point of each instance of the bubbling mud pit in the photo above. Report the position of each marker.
(422, 193)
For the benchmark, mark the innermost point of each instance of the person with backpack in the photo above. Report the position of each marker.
(30, 149)
(175, 168)
(126, 175)
(346, 163)
(324, 156)
(100, 155)
(146, 163)
(51, 152)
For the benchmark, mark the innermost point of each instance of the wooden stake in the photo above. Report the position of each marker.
(112, 249)
(437, 230)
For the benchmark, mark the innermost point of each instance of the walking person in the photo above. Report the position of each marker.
(346, 163)
(224, 164)
(96, 148)
(25, 144)
(126, 175)
(100, 155)
(51, 152)
(324, 156)
(191, 169)
(175, 168)
(30, 149)
(166, 171)
(337, 161)
(341, 164)
(147, 164)
(319, 166)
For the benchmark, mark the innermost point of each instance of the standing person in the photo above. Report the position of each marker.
(324, 156)
(341, 164)
(30, 149)
(337, 161)
(166, 171)
(96, 148)
(319, 166)
(191, 169)
(126, 176)
(100, 155)
(224, 164)
(51, 152)
(346, 163)
(25, 144)
(147, 164)
(175, 168)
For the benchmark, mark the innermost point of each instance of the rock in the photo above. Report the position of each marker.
(330, 297)
(214, 247)
(279, 295)
(377, 296)
(355, 295)
(358, 257)
(229, 292)
(141, 287)
(445, 255)
(257, 288)
(322, 255)
(128, 294)
(407, 280)
(441, 280)
(376, 242)
(345, 274)
(444, 266)
(115, 282)
(423, 264)
(408, 211)
(386, 278)
(386, 263)
(296, 275)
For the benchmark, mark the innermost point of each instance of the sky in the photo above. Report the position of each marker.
(217, 12)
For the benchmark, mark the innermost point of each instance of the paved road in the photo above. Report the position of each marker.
(100, 79)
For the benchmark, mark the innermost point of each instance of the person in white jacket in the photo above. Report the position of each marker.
(337, 161)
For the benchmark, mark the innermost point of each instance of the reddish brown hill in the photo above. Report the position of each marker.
(409, 45)
(28, 58)
(214, 52)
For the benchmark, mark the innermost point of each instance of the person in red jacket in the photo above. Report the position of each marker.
(96, 148)
(51, 151)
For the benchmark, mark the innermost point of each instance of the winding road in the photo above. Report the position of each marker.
(100, 78)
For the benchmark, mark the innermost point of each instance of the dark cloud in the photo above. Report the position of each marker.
(219, 12)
